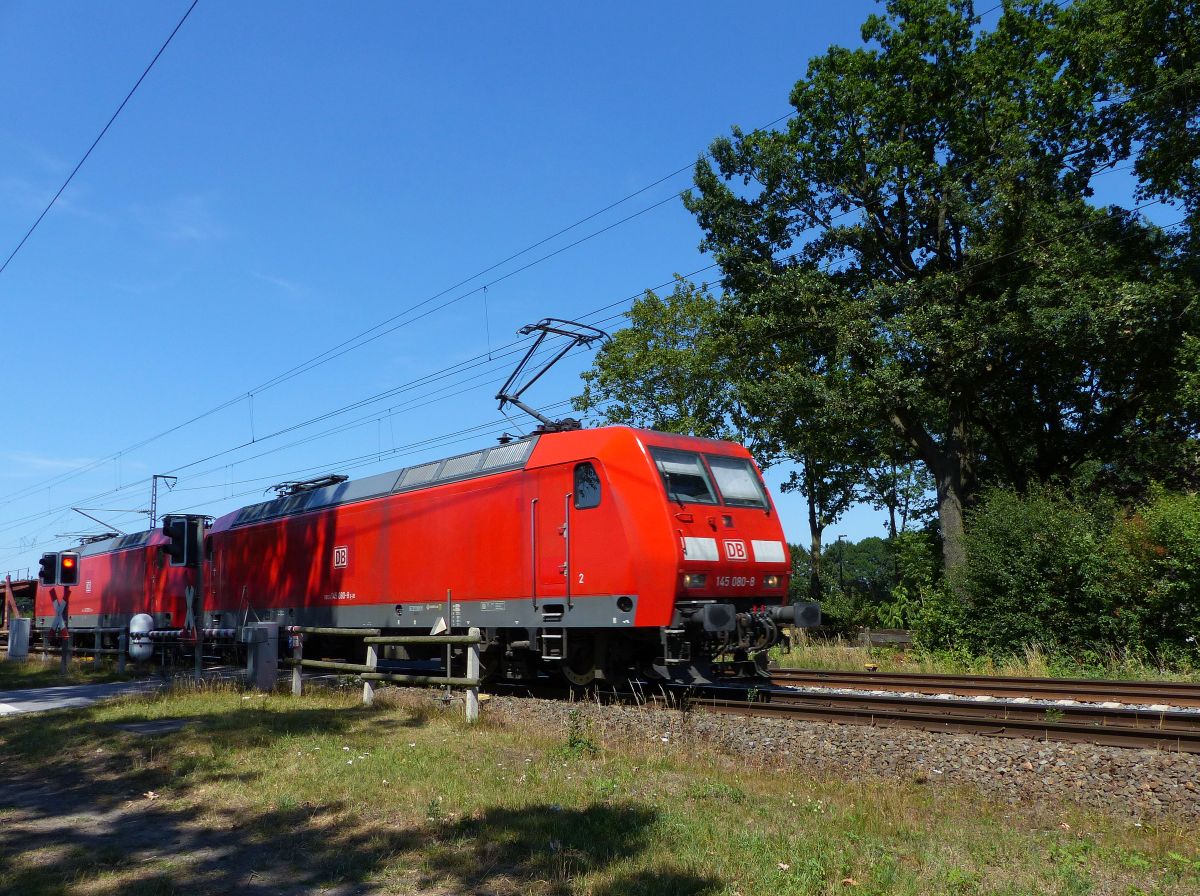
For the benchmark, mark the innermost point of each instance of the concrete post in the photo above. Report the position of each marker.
(472, 702)
(297, 656)
(65, 660)
(368, 685)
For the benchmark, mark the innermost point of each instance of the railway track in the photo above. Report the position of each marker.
(1084, 689)
(1120, 727)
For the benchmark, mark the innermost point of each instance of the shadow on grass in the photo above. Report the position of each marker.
(539, 849)
(544, 848)
(68, 761)
(79, 822)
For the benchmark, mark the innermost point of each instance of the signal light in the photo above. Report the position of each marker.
(185, 534)
(68, 568)
(175, 528)
(48, 571)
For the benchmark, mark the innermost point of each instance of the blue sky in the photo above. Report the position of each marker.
(292, 174)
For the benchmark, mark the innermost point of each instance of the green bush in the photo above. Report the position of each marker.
(1082, 579)
(1152, 566)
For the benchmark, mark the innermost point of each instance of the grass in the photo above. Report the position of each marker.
(33, 673)
(301, 794)
(840, 655)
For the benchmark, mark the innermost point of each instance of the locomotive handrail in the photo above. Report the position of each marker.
(533, 546)
(567, 547)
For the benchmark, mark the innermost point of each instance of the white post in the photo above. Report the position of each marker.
(368, 684)
(472, 702)
(297, 656)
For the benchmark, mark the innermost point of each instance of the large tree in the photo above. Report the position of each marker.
(929, 196)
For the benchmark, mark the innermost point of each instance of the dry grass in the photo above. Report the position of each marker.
(841, 655)
(272, 793)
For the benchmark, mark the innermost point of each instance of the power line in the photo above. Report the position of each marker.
(359, 340)
(99, 137)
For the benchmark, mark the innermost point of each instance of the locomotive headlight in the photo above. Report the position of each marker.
(694, 579)
(770, 581)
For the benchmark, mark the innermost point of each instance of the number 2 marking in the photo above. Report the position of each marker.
(581, 578)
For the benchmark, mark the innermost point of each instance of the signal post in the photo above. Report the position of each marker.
(186, 549)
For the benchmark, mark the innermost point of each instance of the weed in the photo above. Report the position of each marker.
(580, 742)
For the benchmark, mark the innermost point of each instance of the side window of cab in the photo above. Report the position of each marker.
(587, 486)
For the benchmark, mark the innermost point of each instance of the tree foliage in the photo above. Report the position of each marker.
(675, 369)
(923, 219)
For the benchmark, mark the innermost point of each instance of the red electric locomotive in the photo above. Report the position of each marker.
(593, 551)
(596, 550)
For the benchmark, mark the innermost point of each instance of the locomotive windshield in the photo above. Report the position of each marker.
(684, 476)
(737, 481)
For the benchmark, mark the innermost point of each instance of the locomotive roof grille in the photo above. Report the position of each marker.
(120, 543)
(462, 466)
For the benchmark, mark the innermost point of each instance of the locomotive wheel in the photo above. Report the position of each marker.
(579, 665)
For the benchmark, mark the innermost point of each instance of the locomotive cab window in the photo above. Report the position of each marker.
(737, 481)
(587, 486)
(684, 476)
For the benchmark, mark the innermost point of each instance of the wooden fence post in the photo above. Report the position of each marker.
(96, 655)
(66, 651)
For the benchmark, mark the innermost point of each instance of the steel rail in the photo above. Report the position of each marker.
(1167, 692)
(1174, 731)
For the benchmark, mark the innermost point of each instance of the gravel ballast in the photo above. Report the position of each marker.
(1146, 785)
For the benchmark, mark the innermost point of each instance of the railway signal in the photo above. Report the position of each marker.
(68, 568)
(185, 533)
(48, 572)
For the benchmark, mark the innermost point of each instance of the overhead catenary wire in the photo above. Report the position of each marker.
(99, 137)
(369, 335)
(11, 524)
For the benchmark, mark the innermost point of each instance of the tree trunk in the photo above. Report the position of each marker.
(814, 529)
(893, 500)
(950, 513)
(950, 467)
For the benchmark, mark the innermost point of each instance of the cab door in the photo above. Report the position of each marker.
(580, 548)
(551, 510)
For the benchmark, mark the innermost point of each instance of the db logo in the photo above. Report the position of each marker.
(341, 557)
(735, 550)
